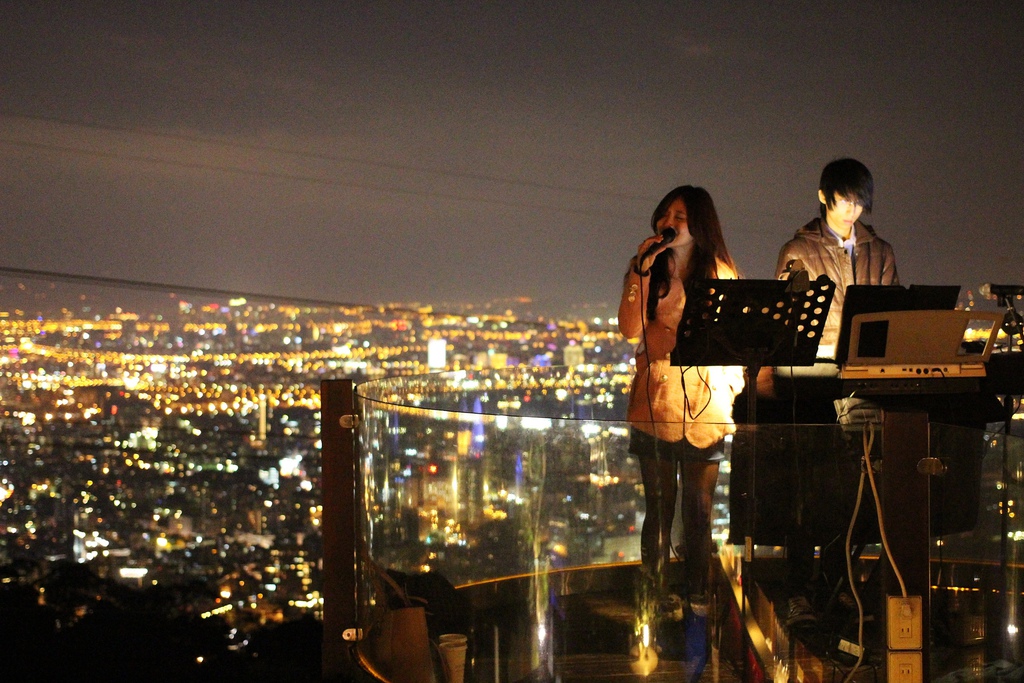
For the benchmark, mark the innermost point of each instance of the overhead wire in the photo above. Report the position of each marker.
(489, 199)
(327, 157)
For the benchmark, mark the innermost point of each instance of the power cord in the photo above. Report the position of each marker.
(868, 438)
(878, 509)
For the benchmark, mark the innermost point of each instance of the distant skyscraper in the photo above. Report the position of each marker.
(437, 350)
(490, 359)
(573, 355)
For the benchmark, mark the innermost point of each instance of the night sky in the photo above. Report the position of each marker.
(441, 152)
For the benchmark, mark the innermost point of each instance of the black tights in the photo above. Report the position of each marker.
(660, 487)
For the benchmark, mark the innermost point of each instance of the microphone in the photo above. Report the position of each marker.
(794, 265)
(667, 235)
(990, 291)
(799, 280)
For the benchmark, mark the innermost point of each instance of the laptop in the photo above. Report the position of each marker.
(920, 344)
(880, 298)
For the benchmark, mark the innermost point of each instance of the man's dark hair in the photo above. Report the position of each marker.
(847, 178)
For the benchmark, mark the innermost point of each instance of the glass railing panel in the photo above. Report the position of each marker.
(481, 496)
(812, 505)
(501, 482)
(977, 549)
(518, 488)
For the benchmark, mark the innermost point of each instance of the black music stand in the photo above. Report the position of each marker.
(752, 323)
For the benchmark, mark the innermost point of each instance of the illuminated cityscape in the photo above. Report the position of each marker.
(179, 450)
(218, 217)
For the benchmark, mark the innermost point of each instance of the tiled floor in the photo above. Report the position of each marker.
(596, 629)
(591, 636)
(597, 634)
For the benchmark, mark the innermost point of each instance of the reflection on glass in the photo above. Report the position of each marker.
(515, 488)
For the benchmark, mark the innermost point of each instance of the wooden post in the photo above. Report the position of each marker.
(337, 467)
(905, 511)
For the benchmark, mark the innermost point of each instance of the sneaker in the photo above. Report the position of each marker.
(670, 607)
(799, 612)
(697, 637)
(699, 604)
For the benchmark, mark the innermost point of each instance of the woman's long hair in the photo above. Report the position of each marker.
(707, 251)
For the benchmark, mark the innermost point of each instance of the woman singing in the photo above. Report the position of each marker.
(678, 416)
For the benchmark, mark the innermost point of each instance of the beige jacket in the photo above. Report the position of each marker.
(695, 401)
(822, 254)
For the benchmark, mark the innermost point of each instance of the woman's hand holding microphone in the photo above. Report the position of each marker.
(649, 250)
